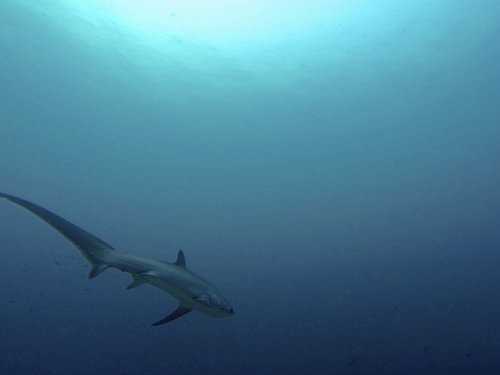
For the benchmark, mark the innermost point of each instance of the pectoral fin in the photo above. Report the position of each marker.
(181, 310)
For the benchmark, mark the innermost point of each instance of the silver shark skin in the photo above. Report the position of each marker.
(193, 292)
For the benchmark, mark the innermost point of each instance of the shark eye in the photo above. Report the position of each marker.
(214, 301)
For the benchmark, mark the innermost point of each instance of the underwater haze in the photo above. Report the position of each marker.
(332, 167)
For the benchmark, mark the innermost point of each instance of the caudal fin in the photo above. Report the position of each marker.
(92, 248)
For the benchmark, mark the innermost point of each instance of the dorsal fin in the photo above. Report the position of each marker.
(181, 261)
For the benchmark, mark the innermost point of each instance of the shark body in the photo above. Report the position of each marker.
(192, 291)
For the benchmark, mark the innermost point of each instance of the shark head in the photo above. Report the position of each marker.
(213, 304)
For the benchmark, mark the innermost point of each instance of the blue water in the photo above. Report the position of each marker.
(339, 184)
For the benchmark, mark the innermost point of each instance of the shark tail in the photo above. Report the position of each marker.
(97, 252)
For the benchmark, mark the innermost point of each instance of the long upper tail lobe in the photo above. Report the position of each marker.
(92, 248)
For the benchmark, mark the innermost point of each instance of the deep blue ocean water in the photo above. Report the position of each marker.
(335, 172)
